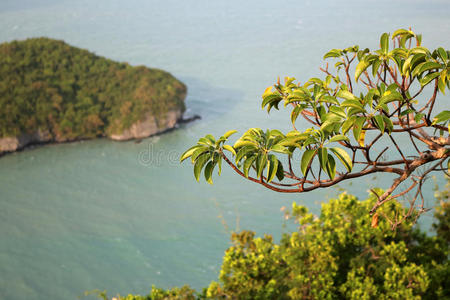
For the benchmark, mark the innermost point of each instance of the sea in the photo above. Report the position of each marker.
(122, 216)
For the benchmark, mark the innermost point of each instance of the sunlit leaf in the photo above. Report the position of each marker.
(441, 117)
(272, 167)
(229, 148)
(306, 160)
(199, 152)
(323, 156)
(189, 152)
(343, 156)
(261, 163)
(248, 163)
(208, 171)
(384, 43)
(332, 53)
(229, 133)
(338, 138)
(330, 167)
(347, 95)
(379, 122)
(199, 163)
(358, 126)
(360, 68)
(427, 79)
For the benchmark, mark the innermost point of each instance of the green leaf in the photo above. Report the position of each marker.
(441, 117)
(323, 157)
(358, 126)
(375, 66)
(272, 167)
(418, 117)
(330, 167)
(280, 172)
(199, 163)
(347, 95)
(270, 98)
(291, 141)
(189, 152)
(419, 49)
(391, 97)
(338, 111)
(295, 112)
(229, 133)
(441, 81)
(338, 138)
(306, 160)
(417, 59)
(208, 171)
(407, 64)
(379, 122)
(219, 166)
(360, 68)
(248, 163)
(348, 124)
(329, 99)
(361, 138)
(241, 143)
(199, 152)
(442, 54)
(388, 124)
(261, 163)
(332, 117)
(361, 53)
(352, 103)
(384, 43)
(401, 32)
(332, 53)
(427, 79)
(229, 148)
(211, 139)
(205, 141)
(243, 152)
(368, 98)
(282, 149)
(429, 65)
(354, 110)
(343, 156)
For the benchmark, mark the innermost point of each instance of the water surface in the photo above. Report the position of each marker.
(122, 216)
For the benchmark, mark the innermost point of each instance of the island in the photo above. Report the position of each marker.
(53, 92)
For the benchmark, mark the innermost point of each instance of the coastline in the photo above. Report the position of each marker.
(34, 144)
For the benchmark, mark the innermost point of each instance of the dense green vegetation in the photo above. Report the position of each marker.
(341, 254)
(72, 93)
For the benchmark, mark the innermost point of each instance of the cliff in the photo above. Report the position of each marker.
(53, 92)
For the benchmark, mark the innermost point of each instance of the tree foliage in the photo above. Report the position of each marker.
(351, 117)
(71, 93)
(339, 254)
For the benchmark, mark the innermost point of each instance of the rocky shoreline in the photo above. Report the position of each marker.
(150, 126)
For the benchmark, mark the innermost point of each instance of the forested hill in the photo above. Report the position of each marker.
(69, 93)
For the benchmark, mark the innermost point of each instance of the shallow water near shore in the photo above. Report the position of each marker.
(121, 216)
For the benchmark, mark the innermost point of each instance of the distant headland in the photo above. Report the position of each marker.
(53, 92)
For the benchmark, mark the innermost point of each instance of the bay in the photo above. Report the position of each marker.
(122, 216)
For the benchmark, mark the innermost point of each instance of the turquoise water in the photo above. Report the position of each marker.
(122, 216)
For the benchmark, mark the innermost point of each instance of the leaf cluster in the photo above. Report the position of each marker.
(349, 116)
